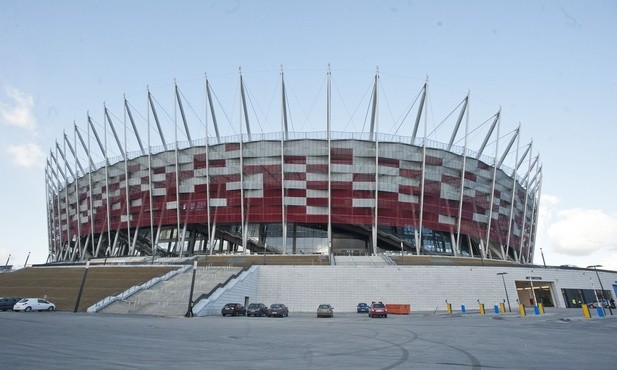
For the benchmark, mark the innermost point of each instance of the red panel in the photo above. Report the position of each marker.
(317, 202)
(470, 176)
(435, 161)
(388, 162)
(292, 159)
(364, 177)
(229, 147)
(301, 193)
(295, 176)
(317, 185)
(317, 168)
(341, 155)
(217, 163)
(409, 173)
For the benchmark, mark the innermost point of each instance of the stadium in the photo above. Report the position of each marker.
(431, 210)
(323, 192)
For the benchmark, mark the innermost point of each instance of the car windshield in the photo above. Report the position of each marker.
(378, 305)
(254, 305)
(23, 301)
(324, 306)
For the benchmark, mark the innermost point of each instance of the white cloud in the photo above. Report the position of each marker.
(580, 232)
(18, 110)
(27, 155)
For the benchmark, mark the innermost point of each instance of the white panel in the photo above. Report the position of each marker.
(391, 188)
(292, 167)
(172, 205)
(363, 203)
(316, 177)
(123, 218)
(443, 219)
(408, 198)
(235, 185)
(218, 202)
(295, 184)
(364, 185)
(295, 201)
(258, 193)
(159, 191)
(314, 193)
(312, 210)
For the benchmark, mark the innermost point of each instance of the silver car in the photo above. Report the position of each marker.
(34, 304)
(325, 310)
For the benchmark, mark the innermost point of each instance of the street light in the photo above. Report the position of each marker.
(595, 267)
(505, 289)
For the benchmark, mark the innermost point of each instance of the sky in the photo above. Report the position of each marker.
(548, 65)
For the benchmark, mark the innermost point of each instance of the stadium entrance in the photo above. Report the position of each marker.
(532, 292)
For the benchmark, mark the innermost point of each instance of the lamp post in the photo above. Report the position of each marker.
(533, 292)
(189, 311)
(81, 287)
(27, 257)
(505, 289)
(543, 261)
(595, 267)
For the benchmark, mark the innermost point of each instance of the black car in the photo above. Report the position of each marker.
(233, 309)
(7, 303)
(257, 309)
(278, 309)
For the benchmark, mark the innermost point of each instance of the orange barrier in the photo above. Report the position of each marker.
(398, 309)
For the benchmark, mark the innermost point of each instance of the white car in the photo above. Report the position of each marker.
(34, 304)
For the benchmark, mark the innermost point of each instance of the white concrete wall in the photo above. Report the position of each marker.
(244, 285)
(425, 288)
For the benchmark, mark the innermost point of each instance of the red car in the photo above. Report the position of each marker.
(377, 309)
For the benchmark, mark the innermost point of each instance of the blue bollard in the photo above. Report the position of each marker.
(600, 311)
(496, 308)
(463, 308)
(536, 309)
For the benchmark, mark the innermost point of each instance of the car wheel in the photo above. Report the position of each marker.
(51, 308)
(385, 316)
(28, 309)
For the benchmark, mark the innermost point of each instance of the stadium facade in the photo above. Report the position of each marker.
(320, 192)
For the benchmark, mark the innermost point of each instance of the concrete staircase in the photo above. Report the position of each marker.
(171, 297)
(372, 261)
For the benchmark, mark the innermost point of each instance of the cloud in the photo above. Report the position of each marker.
(18, 110)
(580, 232)
(27, 155)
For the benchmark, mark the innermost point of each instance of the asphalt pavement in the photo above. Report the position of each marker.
(559, 339)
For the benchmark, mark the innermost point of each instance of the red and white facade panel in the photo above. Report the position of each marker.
(411, 186)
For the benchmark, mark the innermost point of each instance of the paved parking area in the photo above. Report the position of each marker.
(60, 340)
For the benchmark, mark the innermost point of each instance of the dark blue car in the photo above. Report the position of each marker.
(362, 308)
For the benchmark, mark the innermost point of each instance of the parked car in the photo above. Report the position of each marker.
(603, 302)
(7, 303)
(377, 309)
(233, 309)
(257, 309)
(325, 310)
(362, 308)
(34, 304)
(278, 309)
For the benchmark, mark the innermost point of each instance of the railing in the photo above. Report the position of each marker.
(134, 289)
